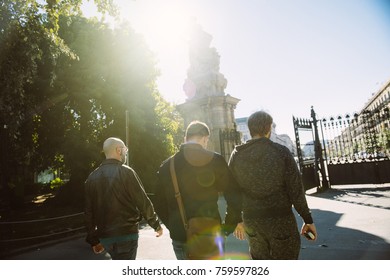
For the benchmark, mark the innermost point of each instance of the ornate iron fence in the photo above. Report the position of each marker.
(353, 149)
(358, 147)
(357, 137)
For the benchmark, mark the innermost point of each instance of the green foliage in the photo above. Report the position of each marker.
(65, 85)
(56, 183)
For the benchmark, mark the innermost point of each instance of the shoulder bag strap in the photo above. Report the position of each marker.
(177, 193)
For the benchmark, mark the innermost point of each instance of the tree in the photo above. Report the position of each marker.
(66, 83)
(115, 74)
(27, 39)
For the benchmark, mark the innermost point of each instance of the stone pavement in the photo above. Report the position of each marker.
(353, 223)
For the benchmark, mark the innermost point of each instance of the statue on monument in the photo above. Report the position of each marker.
(203, 76)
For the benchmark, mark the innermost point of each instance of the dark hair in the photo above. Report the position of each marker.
(197, 128)
(259, 123)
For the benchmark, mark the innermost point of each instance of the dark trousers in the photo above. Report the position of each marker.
(123, 250)
(180, 248)
(273, 238)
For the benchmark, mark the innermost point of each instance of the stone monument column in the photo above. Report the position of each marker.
(206, 98)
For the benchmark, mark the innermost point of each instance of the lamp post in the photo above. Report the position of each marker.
(127, 135)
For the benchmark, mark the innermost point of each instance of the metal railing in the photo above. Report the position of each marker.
(8, 229)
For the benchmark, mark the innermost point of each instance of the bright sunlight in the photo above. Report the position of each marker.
(165, 28)
(164, 25)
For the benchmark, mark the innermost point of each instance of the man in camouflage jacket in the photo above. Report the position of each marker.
(271, 184)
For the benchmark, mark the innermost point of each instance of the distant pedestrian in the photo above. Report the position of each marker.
(115, 202)
(202, 175)
(271, 184)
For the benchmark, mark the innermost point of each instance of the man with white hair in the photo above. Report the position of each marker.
(115, 202)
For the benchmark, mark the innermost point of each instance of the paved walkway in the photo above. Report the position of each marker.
(353, 224)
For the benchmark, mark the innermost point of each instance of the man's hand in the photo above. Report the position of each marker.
(159, 232)
(98, 249)
(239, 232)
(309, 228)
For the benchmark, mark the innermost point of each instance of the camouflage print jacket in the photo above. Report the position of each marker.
(269, 179)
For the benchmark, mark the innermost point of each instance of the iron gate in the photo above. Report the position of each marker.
(311, 158)
(355, 148)
(228, 138)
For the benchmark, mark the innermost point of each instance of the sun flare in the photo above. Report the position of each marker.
(164, 25)
(166, 29)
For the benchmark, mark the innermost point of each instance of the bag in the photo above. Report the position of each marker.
(204, 240)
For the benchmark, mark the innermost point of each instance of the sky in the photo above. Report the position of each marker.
(281, 56)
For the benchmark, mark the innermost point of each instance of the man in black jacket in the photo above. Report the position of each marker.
(114, 202)
(271, 185)
(202, 175)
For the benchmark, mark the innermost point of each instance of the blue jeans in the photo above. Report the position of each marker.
(121, 249)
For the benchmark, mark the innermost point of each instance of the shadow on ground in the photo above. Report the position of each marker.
(340, 243)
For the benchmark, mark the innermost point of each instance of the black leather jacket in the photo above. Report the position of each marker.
(115, 202)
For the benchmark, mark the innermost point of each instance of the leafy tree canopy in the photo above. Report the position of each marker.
(66, 84)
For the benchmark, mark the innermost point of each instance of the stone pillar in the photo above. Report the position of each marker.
(205, 91)
(218, 113)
